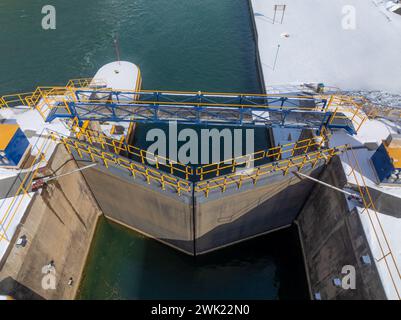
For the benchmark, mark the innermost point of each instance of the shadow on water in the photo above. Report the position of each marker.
(267, 267)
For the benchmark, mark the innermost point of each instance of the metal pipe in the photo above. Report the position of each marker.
(326, 184)
(73, 171)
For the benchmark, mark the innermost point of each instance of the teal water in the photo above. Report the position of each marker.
(179, 45)
(125, 265)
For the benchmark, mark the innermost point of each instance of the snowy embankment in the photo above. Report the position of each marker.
(379, 98)
(350, 44)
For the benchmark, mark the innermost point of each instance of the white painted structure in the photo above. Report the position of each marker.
(120, 75)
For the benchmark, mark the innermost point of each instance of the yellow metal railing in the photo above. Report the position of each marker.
(137, 170)
(23, 189)
(46, 98)
(110, 156)
(174, 167)
(254, 174)
(86, 83)
(14, 100)
(272, 154)
(346, 107)
(369, 207)
(118, 146)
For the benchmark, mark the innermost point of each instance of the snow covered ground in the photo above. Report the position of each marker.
(12, 210)
(314, 46)
(382, 230)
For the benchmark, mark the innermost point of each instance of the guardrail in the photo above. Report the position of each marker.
(86, 83)
(77, 90)
(216, 169)
(273, 154)
(23, 188)
(347, 108)
(254, 174)
(143, 156)
(369, 207)
(149, 174)
(136, 169)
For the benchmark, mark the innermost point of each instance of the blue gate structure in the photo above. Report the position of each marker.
(199, 108)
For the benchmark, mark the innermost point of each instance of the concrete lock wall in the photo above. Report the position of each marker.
(226, 218)
(333, 237)
(159, 214)
(219, 219)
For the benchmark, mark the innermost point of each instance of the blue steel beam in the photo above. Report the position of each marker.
(157, 113)
(230, 110)
(219, 99)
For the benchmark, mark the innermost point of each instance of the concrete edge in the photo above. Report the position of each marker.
(296, 223)
(147, 235)
(256, 39)
(245, 239)
(83, 266)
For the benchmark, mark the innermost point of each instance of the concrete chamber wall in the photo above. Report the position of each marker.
(194, 223)
(162, 215)
(333, 237)
(226, 218)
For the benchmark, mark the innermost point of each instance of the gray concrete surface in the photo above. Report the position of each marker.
(333, 237)
(59, 226)
(199, 224)
(231, 217)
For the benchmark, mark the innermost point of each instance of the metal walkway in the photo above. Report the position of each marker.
(197, 108)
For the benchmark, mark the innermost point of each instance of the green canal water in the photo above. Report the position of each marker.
(192, 45)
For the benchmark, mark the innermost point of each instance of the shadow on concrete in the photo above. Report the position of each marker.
(58, 187)
(263, 17)
(260, 217)
(11, 287)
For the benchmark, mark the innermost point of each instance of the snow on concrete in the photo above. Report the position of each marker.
(314, 47)
(382, 230)
(12, 211)
(383, 234)
(121, 75)
(372, 131)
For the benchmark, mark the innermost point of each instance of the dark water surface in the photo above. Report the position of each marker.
(179, 45)
(125, 265)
